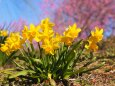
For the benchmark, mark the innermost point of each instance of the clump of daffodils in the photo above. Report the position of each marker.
(56, 55)
(50, 40)
(12, 43)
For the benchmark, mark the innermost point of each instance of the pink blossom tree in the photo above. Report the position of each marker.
(14, 26)
(86, 13)
(17, 25)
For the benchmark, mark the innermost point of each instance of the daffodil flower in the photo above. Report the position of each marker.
(70, 34)
(95, 37)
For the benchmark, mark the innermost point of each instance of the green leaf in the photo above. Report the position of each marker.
(38, 60)
(68, 64)
(44, 76)
(2, 58)
(80, 70)
(21, 73)
(32, 47)
(85, 70)
(94, 68)
(89, 62)
(75, 46)
(68, 73)
(60, 59)
(18, 65)
(77, 56)
(7, 71)
(39, 70)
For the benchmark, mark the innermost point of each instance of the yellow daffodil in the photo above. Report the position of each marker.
(70, 34)
(47, 33)
(14, 40)
(47, 46)
(51, 44)
(45, 23)
(12, 43)
(56, 41)
(91, 46)
(25, 33)
(67, 40)
(46, 29)
(4, 47)
(3, 33)
(72, 31)
(31, 33)
(95, 37)
(57, 37)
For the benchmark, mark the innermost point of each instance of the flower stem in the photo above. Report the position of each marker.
(40, 51)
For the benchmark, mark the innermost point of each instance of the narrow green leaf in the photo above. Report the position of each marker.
(75, 46)
(21, 73)
(39, 70)
(38, 60)
(89, 62)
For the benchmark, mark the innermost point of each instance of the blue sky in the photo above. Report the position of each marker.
(12, 10)
(29, 11)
